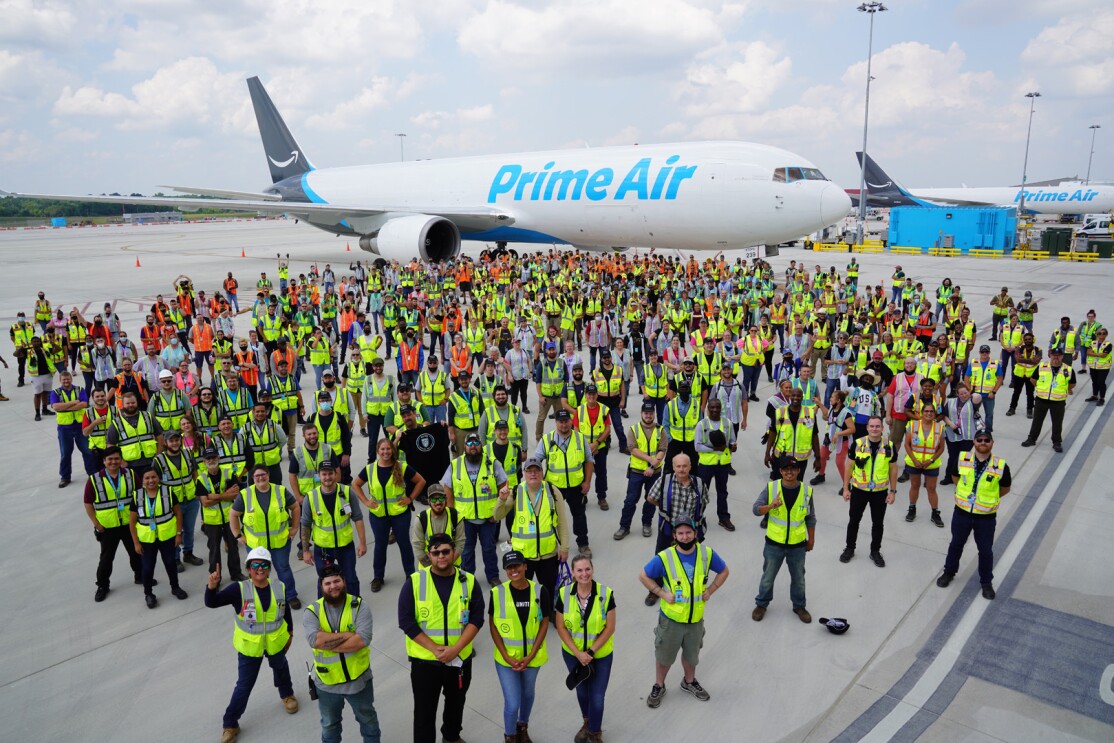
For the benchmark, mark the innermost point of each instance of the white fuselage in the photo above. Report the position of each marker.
(695, 195)
(1065, 198)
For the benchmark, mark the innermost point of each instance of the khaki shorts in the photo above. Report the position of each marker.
(671, 637)
(42, 383)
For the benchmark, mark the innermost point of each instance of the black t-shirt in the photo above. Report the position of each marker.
(560, 606)
(521, 598)
(383, 474)
(427, 451)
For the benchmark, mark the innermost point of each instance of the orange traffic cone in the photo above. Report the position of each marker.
(137, 262)
(242, 253)
(348, 247)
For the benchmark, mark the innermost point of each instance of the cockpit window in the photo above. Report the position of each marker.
(790, 174)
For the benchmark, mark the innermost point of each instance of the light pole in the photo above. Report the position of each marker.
(1094, 130)
(870, 8)
(1033, 96)
(401, 151)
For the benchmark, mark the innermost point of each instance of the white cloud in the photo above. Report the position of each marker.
(37, 23)
(461, 116)
(1078, 50)
(380, 94)
(626, 135)
(607, 37)
(733, 78)
(17, 146)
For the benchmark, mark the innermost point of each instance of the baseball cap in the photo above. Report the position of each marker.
(562, 415)
(984, 348)
(533, 462)
(550, 346)
(173, 433)
(209, 453)
(684, 521)
(605, 353)
(472, 439)
(513, 558)
(436, 491)
(501, 424)
(591, 388)
(437, 540)
(327, 464)
(648, 407)
(984, 432)
(406, 409)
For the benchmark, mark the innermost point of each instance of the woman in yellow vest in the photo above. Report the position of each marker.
(924, 450)
(1100, 356)
(586, 623)
(156, 526)
(518, 613)
(391, 487)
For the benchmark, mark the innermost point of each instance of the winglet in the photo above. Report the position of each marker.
(285, 157)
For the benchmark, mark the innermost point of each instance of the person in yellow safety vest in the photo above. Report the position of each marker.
(1055, 381)
(338, 628)
(502, 410)
(715, 442)
(550, 376)
(333, 429)
(440, 611)
(586, 624)
(235, 401)
(155, 521)
(464, 410)
(439, 518)
(1065, 339)
(682, 415)
(870, 479)
(655, 384)
(985, 377)
(392, 486)
(473, 483)
(378, 393)
(1100, 356)
(433, 390)
(788, 510)
(519, 613)
(539, 523)
(41, 368)
(69, 404)
(267, 515)
(1011, 333)
(216, 489)
(320, 352)
(681, 576)
(286, 401)
(924, 450)
(332, 528)
(137, 434)
(709, 361)
(794, 434)
(593, 420)
(569, 468)
(262, 629)
(983, 480)
(168, 405)
(109, 494)
(1026, 359)
(177, 470)
(353, 377)
(264, 440)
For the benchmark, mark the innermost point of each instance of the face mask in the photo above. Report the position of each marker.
(330, 385)
(100, 344)
(324, 406)
(685, 545)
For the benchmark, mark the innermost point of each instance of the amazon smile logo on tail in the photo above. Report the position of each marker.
(292, 159)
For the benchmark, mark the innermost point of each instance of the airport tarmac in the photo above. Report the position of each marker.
(919, 662)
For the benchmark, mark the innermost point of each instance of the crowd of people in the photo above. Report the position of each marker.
(438, 366)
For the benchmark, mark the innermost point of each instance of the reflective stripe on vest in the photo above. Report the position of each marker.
(268, 529)
(156, 517)
(871, 473)
(979, 496)
(534, 532)
(518, 639)
(255, 633)
(565, 467)
(441, 623)
(688, 595)
(474, 500)
(331, 530)
(337, 668)
(111, 507)
(583, 633)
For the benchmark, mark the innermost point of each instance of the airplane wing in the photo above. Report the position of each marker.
(470, 218)
(221, 193)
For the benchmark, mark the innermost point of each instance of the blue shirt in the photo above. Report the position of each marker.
(997, 372)
(55, 399)
(655, 568)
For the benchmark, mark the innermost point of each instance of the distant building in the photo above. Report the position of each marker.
(152, 217)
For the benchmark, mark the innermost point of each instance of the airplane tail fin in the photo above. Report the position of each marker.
(284, 157)
(883, 189)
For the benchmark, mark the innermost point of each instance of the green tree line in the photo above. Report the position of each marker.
(47, 208)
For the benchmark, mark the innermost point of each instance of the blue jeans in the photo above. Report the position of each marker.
(590, 694)
(773, 555)
(68, 438)
(830, 386)
(437, 413)
(331, 708)
(318, 371)
(750, 378)
(280, 561)
(345, 559)
(518, 695)
(616, 416)
(381, 527)
(245, 681)
(636, 484)
(988, 411)
(190, 509)
(487, 532)
(963, 523)
(234, 300)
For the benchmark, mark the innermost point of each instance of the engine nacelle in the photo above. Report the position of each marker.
(423, 236)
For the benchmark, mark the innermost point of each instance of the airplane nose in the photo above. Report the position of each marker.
(834, 204)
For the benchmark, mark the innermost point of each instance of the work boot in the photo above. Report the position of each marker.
(945, 579)
(758, 613)
(911, 514)
(100, 595)
(1028, 443)
(647, 530)
(63, 482)
(936, 518)
(1011, 411)
(903, 477)
(513, 738)
(582, 734)
(1092, 398)
(621, 532)
(878, 559)
(818, 480)
(295, 603)
(228, 735)
(38, 417)
(376, 585)
(3, 398)
(595, 737)
(726, 524)
(603, 504)
(152, 602)
(290, 704)
(988, 592)
(179, 566)
(1029, 413)
(803, 615)
(651, 599)
(586, 551)
(522, 733)
(192, 559)
(179, 593)
(847, 554)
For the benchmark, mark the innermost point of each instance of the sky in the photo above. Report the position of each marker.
(100, 96)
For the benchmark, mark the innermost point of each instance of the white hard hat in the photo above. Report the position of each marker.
(166, 374)
(259, 553)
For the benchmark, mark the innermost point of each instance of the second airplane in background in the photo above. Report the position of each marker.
(693, 195)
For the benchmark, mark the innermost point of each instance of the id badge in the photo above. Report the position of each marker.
(463, 617)
(121, 506)
(249, 615)
(679, 595)
(316, 479)
(532, 527)
(346, 509)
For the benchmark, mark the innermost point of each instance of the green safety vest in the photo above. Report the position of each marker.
(377, 397)
(354, 374)
(518, 639)
(979, 496)
(257, 632)
(268, 528)
(264, 443)
(136, 442)
(180, 480)
(552, 378)
(386, 498)
(112, 507)
(156, 518)
(466, 410)
(309, 465)
(331, 530)
(716, 457)
(585, 633)
(787, 528)
(73, 416)
(565, 467)
(648, 446)
(688, 595)
(656, 385)
(534, 532)
(794, 440)
(683, 427)
(1053, 386)
(442, 623)
(475, 500)
(338, 668)
(232, 453)
(216, 514)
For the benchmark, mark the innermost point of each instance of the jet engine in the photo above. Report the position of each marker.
(423, 236)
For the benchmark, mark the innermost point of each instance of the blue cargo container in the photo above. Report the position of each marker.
(57, 221)
(965, 227)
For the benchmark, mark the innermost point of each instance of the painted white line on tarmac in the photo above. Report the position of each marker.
(888, 727)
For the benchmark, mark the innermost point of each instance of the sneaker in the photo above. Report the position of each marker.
(376, 585)
(847, 554)
(295, 603)
(758, 613)
(654, 699)
(621, 532)
(152, 602)
(228, 735)
(878, 560)
(1092, 398)
(818, 480)
(988, 592)
(945, 579)
(192, 559)
(63, 482)
(1058, 448)
(290, 704)
(179, 594)
(100, 595)
(911, 514)
(732, 470)
(1083, 370)
(48, 411)
(947, 481)
(1028, 443)
(603, 504)
(726, 524)
(903, 477)
(1011, 411)
(647, 530)
(803, 614)
(753, 398)
(695, 689)
(1101, 402)
(650, 599)
(38, 417)
(936, 518)
(179, 566)
(1029, 413)
(625, 414)
(586, 551)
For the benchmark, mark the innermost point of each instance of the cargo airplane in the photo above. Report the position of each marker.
(692, 195)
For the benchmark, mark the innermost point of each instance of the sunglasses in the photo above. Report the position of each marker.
(259, 566)
(982, 440)
(441, 553)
